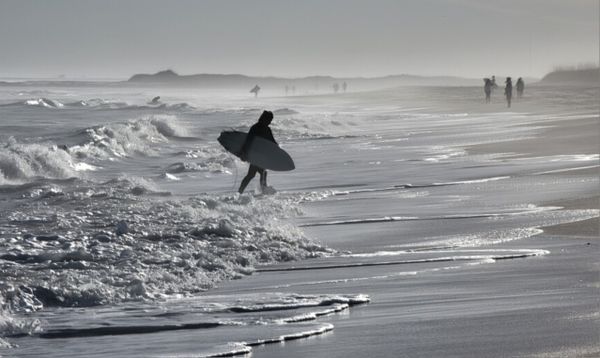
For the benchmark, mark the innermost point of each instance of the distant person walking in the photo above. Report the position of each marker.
(508, 91)
(520, 87)
(259, 129)
(344, 86)
(494, 85)
(255, 90)
(336, 87)
(487, 89)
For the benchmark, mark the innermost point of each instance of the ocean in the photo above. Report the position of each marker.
(122, 233)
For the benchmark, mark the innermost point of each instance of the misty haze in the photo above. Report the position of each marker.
(334, 178)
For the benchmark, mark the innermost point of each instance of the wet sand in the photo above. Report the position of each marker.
(562, 137)
(589, 229)
(541, 307)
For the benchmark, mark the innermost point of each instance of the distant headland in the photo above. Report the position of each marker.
(573, 76)
(169, 77)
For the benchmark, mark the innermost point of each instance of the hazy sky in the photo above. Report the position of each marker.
(474, 38)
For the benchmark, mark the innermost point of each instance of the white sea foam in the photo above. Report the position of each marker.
(94, 103)
(277, 301)
(44, 102)
(204, 159)
(311, 316)
(478, 238)
(135, 137)
(243, 348)
(309, 126)
(494, 252)
(170, 176)
(14, 299)
(565, 158)
(516, 211)
(20, 162)
(439, 154)
(566, 170)
(474, 181)
(168, 247)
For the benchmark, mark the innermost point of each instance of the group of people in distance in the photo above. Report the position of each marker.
(490, 84)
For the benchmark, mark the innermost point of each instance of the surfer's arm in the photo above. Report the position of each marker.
(271, 138)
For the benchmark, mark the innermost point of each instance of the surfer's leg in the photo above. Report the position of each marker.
(251, 173)
(263, 178)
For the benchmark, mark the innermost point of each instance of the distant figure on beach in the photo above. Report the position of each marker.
(508, 91)
(259, 129)
(520, 87)
(344, 86)
(487, 89)
(255, 90)
(336, 87)
(494, 85)
(155, 100)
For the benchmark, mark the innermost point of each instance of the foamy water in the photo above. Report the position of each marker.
(127, 211)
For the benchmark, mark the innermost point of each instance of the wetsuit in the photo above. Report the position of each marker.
(262, 130)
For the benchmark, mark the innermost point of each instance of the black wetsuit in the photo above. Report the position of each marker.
(257, 130)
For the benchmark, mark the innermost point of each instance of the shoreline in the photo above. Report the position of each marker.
(585, 229)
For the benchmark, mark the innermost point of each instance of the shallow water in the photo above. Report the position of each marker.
(116, 216)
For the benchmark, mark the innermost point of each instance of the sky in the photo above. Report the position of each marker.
(296, 38)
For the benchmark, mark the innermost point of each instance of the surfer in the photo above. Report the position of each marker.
(259, 129)
(255, 90)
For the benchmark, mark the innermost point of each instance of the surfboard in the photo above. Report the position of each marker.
(262, 153)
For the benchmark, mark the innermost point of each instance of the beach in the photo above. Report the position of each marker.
(541, 307)
(537, 307)
(419, 222)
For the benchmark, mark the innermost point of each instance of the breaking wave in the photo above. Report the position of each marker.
(204, 159)
(133, 137)
(44, 102)
(24, 162)
(20, 162)
(294, 126)
(97, 104)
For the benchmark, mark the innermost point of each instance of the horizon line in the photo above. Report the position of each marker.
(64, 77)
